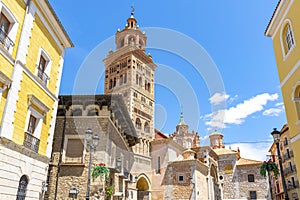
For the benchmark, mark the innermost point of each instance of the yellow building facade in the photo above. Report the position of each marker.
(32, 48)
(284, 29)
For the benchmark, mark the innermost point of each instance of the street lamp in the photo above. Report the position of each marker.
(276, 136)
(73, 191)
(44, 189)
(92, 142)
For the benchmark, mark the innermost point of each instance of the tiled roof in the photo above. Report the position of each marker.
(223, 151)
(272, 17)
(245, 161)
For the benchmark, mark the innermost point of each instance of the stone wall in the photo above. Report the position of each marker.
(111, 146)
(259, 185)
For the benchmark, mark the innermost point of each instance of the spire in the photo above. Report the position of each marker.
(181, 122)
(131, 21)
(132, 11)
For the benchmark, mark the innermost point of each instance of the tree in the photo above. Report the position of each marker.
(266, 169)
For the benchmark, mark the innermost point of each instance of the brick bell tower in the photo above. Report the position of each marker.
(130, 71)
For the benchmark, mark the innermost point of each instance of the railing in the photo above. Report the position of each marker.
(287, 157)
(5, 40)
(291, 186)
(289, 170)
(31, 142)
(43, 77)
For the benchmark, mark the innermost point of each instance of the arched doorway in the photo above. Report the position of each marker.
(142, 186)
(21, 194)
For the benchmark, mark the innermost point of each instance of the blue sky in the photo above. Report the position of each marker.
(231, 35)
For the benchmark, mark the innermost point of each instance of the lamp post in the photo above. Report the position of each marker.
(44, 189)
(276, 136)
(92, 141)
(73, 191)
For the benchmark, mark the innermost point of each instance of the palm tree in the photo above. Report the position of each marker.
(266, 169)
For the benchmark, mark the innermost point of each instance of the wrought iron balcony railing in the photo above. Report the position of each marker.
(5, 41)
(43, 77)
(31, 142)
(289, 170)
(293, 185)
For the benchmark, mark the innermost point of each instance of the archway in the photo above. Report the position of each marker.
(142, 186)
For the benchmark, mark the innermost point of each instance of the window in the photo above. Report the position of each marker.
(8, 28)
(41, 70)
(180, 178)
(77, 112)
(138, 123)
(291, 166)
(150, 103)
(289, 38)
(115, 82)
(121, 79)
(146, 127)
(137, 79)
(297, 100)
(31, 124)
(158, 165)
(288, 153)
(21, 194)
(4, 24)
(43, 66)
(93, 112)
(135, 95)
(110, 83)
(285, 141)
(253, 195)
(293, 182)
(250, 178)
(74, 150)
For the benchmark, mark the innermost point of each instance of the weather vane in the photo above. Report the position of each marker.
(132, 10)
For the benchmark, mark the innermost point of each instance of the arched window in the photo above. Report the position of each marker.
(146, 127)
(148, 87)
(289, 37)
(115, 82)
(121, 79)
(77, 112)
(140, 81)
(297, 100)
(110, 83)
(61, 112)
(21, 194)
(138, 123)
(93, 112)
(125, 78)
(137, 79)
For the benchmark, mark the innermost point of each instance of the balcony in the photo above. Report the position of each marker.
(289, 170)
(292, 186)
(5, 41)
(43, 77)
(31, 142)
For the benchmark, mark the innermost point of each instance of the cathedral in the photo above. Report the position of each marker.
(143, 162)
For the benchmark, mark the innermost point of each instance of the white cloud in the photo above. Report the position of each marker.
(279, 104)
(232, 99)
(237, 114)
(273, 112)
(255, 151)
(218, 98)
